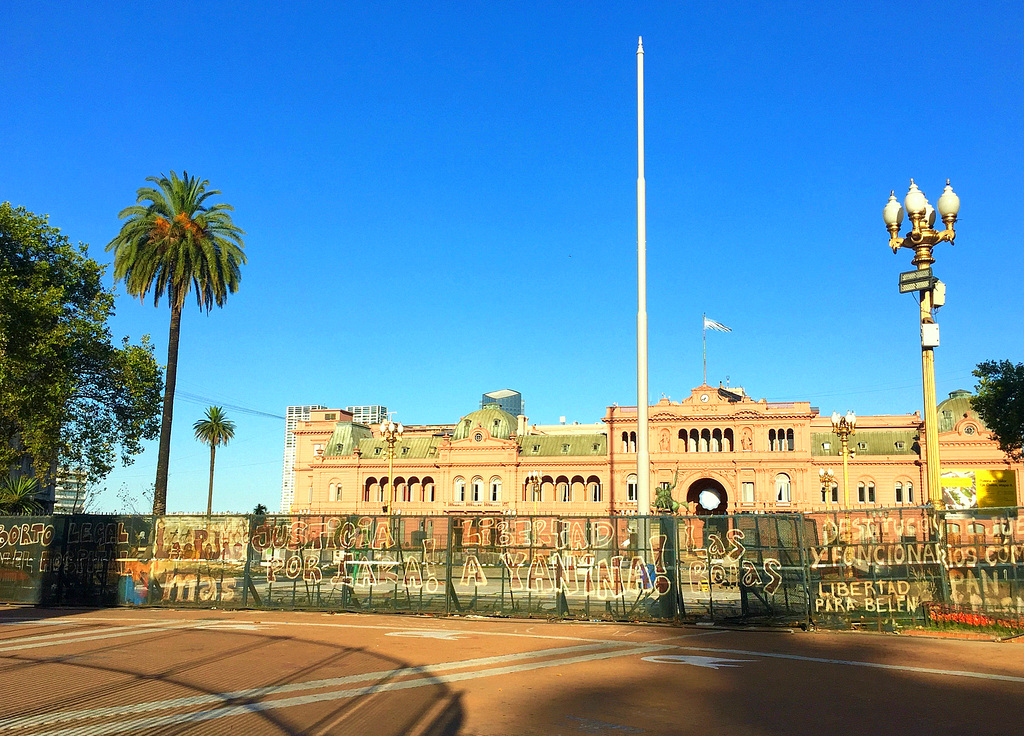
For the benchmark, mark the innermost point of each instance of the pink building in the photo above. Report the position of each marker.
(720, 451)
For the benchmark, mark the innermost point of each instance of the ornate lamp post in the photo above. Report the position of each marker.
(827, 478)
(533, 481)
(843, 427)
(391, 433)
(921, 238)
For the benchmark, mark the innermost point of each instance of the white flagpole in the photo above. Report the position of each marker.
(704, 343)
(643, 455)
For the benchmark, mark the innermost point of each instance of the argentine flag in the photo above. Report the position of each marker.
(710, 324)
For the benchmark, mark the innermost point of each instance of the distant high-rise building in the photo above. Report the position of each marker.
(509, 400)
(368, 415)
(69, 492)
(292, 417)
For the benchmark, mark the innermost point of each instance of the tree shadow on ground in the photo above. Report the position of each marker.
(155, 681)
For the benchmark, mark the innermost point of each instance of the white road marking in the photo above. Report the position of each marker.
(713, 663)
(218, 698)
(427, 634)
(854, 663)
(16, 643)
(138, 725)
(62, 639)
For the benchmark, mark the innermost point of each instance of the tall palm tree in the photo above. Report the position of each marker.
(172, 242)
(215, 430)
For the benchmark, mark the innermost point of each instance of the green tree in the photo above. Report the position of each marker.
(18, 496)
(172, 242)
(215, 430)
(68, 396)
(1000, 403)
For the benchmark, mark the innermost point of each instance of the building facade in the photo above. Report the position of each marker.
(368, 415)
(70, 492)
(293, 415)
(718, 451)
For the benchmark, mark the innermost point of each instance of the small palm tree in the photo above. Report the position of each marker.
(18, 496)
(171, 243)
(215, 430)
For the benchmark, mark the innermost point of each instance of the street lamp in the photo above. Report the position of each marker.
(827, 478)
(843, 427)
(533, 481)
(921, 238)
(391, 433)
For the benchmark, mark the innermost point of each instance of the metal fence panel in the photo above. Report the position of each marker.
(873, 567)
(984, 558)
(741, 565)
(28, 548)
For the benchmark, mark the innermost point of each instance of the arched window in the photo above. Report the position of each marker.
(861, 493)
(632, 441)
(705, 440)
(683, 444)
(625, 441)
(477, 489)
(459, 490)
(871, 492)
(631, 487)
(771, 440)
(578, 488)
(910, 493)
(495, 488)
(565, 492)
(594, 489)
(366, 488)
(428, 490)
(790, 440)
(716, 441)
(783, 488)
(899, 492)
(729, 446)
(337, 492)
(694, 440)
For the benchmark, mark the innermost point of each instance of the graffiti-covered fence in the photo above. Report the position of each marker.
(875, 568)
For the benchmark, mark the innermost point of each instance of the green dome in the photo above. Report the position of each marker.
(492, 417)
(953, 409)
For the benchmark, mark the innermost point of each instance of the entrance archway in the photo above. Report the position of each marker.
(704, 493)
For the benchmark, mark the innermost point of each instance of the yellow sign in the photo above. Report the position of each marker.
(979, 488)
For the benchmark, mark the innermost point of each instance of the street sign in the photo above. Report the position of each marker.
(919, 280)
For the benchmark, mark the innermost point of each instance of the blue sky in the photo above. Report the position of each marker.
(440, 198)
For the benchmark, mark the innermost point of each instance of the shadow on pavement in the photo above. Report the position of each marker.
(101, 680)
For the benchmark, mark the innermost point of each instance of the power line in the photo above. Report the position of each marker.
(198, 399)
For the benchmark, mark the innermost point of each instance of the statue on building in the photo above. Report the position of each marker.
(663, 500)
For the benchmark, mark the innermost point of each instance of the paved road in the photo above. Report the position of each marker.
(79, 673)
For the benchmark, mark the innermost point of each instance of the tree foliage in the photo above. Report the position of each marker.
(172, 242)
(68, 396)
(18, 496)
(999, 401)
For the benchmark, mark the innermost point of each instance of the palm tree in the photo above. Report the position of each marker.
(171, 242)
(215, 430)
(18, 496)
